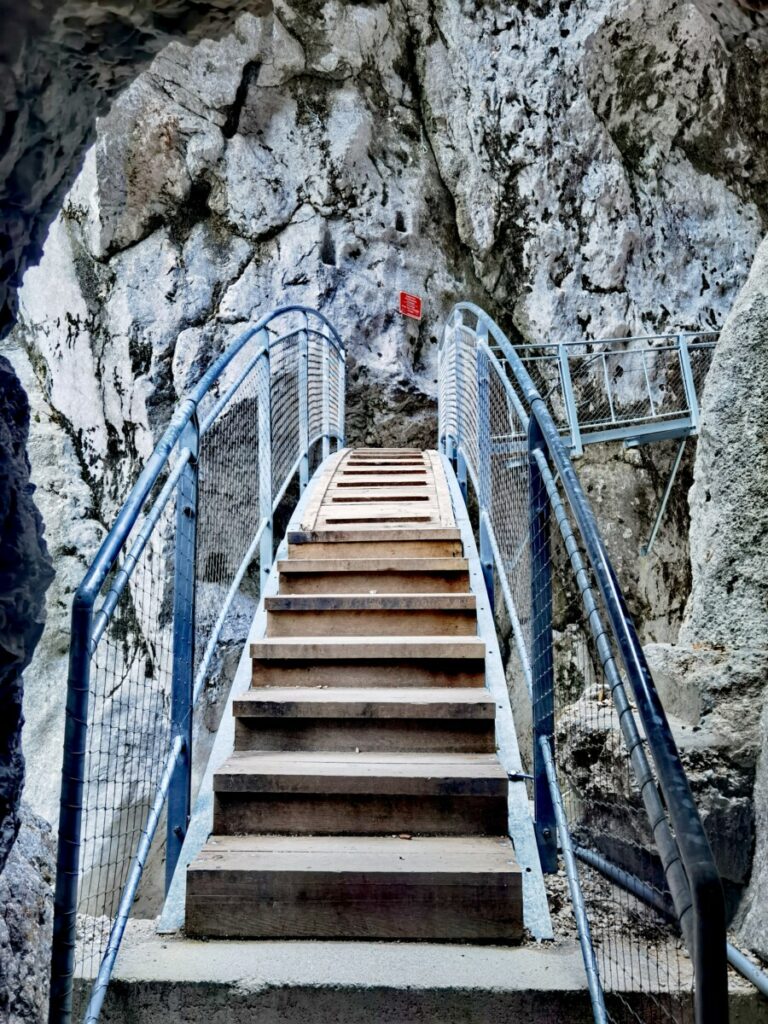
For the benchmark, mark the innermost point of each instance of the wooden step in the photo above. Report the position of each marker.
(450, 720)
(373, 575)
(400, 479)
(371, 542)
(465, 889)
(369, 661)
(395, 472)
(375, 495)
(332, 793)
(371, 615)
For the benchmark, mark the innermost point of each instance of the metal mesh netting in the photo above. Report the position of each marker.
(608, 786)
(620, 382)
(128, 751)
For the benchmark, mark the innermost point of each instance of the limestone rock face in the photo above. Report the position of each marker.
(26, 921)
(60, 65)
(581, 170)
(25, 574)
(729, 598)
(728, 607)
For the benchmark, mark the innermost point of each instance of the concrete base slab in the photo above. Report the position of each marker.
(161, 979)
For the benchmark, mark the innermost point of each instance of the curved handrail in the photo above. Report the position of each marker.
(182, 435)
(185, 410)
(708, 926)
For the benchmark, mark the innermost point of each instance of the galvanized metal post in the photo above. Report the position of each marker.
(326, 398)
(570, 400)
(71, 812)
(304, 405)
(341, 404)
(182, 679)
(265, 462)
(484, 478)
(458, 440)
(688, 383)
(542, 662)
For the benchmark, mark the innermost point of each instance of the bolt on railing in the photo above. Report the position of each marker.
(170, 572)
(607, 777)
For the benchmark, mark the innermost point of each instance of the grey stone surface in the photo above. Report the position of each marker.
(26, 919)
(728, 608)
(25, 573)
(353, 983)
(580, 169)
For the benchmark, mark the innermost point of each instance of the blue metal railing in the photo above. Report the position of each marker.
(289, 367)
(590, 684)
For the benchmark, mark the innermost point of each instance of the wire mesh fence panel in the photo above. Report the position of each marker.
(163, 595)
(595, 781)
(609, 790)
(129, 691)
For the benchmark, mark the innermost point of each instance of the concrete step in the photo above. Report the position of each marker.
(448, 720)
(371, 615)
(333, 793)
(369, 661)
(458, 889)
(373, 575)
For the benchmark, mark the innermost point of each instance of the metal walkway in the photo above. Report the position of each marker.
(364, 797)
(370, 592)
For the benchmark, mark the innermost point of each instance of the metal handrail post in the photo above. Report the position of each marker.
(71, 811)
(688, 383)
(458, 440)
(485, 482)
(182, 678)
(326, 399)
(542, 660)
(570, 400)
(304, 405)
(265, 464)
(341, 402)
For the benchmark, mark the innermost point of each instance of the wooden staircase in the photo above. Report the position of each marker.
(364, 798)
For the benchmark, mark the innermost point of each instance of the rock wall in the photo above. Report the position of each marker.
(580, 169)
(26, 921)
(25, 574)
(716, 679)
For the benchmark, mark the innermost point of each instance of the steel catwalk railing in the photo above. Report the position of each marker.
(170, 574)
(621, 389)
(607, 776)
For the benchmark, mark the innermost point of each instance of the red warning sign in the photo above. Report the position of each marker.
(410, 305)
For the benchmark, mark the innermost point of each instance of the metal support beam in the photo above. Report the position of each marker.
(304, 406)
(485, 483)
(265, 464)
(326, 399)
(570, 400)
(688, 382)
(542, 662)
(646, 548)
(182, 679)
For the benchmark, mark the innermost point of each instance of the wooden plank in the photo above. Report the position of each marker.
(442, 493)
(359, 814)
(372, 566)
(341, 702)
(372, 622)
(346, 734)
(377, 648)
(386, 541)
(363, 887)
(392, 673)
(327, 773)
(372, 602)
(331, 536)
(320, 486)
